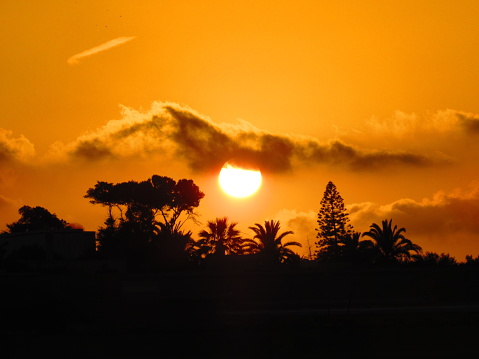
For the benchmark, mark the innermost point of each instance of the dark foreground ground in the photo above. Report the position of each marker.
(402, 313)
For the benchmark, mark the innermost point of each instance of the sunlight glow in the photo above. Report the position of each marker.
(239, 182)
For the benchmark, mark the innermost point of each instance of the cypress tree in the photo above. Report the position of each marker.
(333, 224)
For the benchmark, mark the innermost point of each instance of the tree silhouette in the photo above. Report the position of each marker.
(221, 238)
(174, 199)
(3, 250)
(158, 196)
(151, 214)
(172, 248)
(354, 250)
(106, 194)
(389, 242)
(333, 224)
(270, 246)
(36, 219)
(434, 259)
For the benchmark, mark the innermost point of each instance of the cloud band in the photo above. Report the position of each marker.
(169, 129)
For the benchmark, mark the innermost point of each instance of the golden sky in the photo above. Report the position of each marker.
(379, 97)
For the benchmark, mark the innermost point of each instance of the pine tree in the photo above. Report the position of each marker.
(333, 224)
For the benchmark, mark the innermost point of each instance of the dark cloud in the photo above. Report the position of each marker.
(93, 149)
(339, 154)
(171, 130)
(205, 145)
(469, 122)
(202, 144)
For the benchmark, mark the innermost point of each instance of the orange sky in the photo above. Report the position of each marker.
(379, 97)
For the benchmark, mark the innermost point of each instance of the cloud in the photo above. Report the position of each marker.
(75, 59)
(14, 148)
(179, 132)
(339, 154)
(447, 222)
(469, 122)
(303, 225)
(447, 218)
(439, 130)
(444, 213)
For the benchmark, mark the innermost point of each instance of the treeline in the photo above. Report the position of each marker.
(383, 244)
(145, 220)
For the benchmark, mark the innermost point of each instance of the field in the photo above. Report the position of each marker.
(332, 313)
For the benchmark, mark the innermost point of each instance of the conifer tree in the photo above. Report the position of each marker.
(332, 224)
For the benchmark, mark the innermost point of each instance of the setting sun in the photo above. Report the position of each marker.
(239, 182)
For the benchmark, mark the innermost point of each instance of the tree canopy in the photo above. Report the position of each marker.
(160, 195)
(270, 242)
(36, 219)
(151, 214)
(220, 237)
(390, 243)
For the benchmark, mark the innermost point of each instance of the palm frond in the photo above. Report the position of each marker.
(287, 244)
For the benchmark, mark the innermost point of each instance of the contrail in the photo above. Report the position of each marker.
(94, 50)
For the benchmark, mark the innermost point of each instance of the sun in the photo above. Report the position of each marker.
(239, 182)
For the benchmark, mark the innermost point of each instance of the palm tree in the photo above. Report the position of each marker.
(270, 241)
(173, 246)
(353, 249)
(220, 238)
(390, 243)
